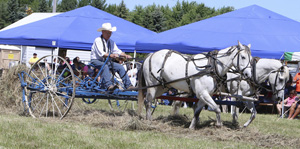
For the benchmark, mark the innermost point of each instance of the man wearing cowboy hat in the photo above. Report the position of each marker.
(102, 47)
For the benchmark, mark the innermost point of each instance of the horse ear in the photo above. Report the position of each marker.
(240, 45)
(249, 46)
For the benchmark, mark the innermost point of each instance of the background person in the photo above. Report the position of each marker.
(297, 81)
(33, 59)
(294, 110)
(132, 74)
(288, 101)
(80, 67)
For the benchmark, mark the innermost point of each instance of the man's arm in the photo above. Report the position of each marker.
(116, 50)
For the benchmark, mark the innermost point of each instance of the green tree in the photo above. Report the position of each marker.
(122, 11)
(177, 12)
(50, 3)
(158, 20)
(112, 9)
(34, 5)
(148, 17)
(43, 6)
(67, 5)
(14, 11)
(137, 15)
(25, 2)
(3, 14)
(84, 3)
(169, 20)
(100, 4)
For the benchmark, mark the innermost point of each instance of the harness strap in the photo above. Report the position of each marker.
(212, 60)
(188, 81)
(200, 73)
(162, 68)
(150, 68)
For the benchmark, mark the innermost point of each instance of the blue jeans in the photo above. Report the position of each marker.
(105, 72)
(116, 67)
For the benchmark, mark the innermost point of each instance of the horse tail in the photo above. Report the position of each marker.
(141, 92)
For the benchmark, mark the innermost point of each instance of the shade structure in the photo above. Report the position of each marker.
(75, 29)
(270, 34)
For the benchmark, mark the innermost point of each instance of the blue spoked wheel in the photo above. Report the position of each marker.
(50, 88)
(121, 105)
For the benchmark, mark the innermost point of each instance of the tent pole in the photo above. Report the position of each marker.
(54, 7)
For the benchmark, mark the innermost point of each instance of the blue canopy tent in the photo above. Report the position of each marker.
(269, 34)
(76, 29)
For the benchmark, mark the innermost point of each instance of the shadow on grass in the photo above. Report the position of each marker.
(183, 121)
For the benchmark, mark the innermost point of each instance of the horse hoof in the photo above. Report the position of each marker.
(219, 125)
(192, 128)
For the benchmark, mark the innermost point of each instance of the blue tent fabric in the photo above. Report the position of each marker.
(76, 29)
(270, 34)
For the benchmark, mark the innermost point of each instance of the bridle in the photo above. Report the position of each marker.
(236, 68)
(281, 69)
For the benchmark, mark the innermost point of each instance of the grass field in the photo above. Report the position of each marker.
(95, 126)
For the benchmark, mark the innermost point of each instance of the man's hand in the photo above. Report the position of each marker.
(114, 55)
(128, 56)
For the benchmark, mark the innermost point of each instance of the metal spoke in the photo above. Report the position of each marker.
(55, 105)
(43, 73)
(61, 99)
(38, 78)
(41, 112)
(38, 102)
(54, 73)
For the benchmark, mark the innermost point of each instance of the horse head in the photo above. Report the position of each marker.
(242, 59)
(277, 80)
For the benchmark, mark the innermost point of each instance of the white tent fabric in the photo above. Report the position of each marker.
(29, 19)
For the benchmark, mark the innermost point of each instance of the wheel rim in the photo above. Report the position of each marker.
(117, 105)
(50, 90)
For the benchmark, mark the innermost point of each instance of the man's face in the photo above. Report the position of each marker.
(34, 56)
(106, 34)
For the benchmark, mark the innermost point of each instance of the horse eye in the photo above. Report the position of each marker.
(243, 57)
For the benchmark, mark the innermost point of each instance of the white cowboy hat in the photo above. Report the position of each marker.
(107, 27)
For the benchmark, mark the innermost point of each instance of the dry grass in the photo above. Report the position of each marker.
(10, 88)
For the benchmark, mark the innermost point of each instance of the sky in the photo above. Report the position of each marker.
(287, 8)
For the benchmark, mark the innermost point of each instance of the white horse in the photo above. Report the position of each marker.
(167, 68)
(271, 69)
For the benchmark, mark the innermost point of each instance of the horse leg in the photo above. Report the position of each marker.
(197, 112)
(152, 93)
(225, 107)
(206, 98)
(234, 111)
(177, 104)
(251, 107)
(176, 107)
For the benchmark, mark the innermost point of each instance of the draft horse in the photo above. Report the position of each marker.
(272, 70)
(198, 74)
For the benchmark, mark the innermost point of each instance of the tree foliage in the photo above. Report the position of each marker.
(67, 5)
(100, 4)
(82, 3)
(122, 11)
(43, 6)
(3, 14)
(14, 11)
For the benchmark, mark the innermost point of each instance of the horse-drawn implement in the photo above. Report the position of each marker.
(49, 91)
